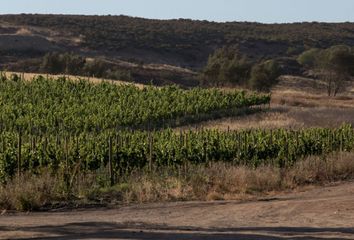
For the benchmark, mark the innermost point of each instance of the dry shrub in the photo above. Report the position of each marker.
(213, 181)
(320, 169)
(156, 186)
(218, 181)
(29, 192)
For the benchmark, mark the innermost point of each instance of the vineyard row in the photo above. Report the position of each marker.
(63, 105)
(127, 150)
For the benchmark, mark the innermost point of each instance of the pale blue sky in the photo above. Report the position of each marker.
(216, 10)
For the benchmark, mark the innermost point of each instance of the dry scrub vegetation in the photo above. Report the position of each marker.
(297, 102)
(215, 181)
(285, 117)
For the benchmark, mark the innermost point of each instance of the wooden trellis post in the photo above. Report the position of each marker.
(150, 150)
(110, 160)
(19, 154)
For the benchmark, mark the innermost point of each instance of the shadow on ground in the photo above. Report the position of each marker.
(104, 230)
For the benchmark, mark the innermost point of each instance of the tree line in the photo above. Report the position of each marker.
(69, 63)
(226, 66)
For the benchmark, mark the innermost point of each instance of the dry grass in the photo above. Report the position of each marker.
(320, 170)
(29, 192)
(284, 117)
(300, 84)
(296, 103)
(221, 181)
(307, 92)
(298, 99)
(274, 118)
(216, 181)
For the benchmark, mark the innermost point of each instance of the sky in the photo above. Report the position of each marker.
(266, 11)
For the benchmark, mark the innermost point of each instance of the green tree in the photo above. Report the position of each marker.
(309, 58)
(73, 64)
(226, 67)
(335, 66)
(264, 75)
(52, 64)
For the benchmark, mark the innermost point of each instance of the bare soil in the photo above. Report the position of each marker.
(312, 213)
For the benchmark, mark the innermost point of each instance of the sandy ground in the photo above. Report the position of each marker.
(315, 213)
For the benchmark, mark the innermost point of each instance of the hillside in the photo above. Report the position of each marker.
(130, 43)
(179, 42)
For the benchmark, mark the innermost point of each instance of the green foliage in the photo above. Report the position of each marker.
(64, 123)
(309, 58)
(68, 63)
(338, 58)
(335, 65)
(226, 67)
(69, 126)
(139, 149)
(48, 105)
(54, 63)
(264, 75)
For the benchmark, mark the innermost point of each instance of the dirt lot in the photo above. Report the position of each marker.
(313, 213)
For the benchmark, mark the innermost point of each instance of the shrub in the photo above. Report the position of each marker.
(309, 57)
(264, 75)
(226, 67)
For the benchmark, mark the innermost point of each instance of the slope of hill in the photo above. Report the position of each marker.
(183, 43)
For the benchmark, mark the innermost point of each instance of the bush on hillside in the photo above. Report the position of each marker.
(226, 67)
(264, 75)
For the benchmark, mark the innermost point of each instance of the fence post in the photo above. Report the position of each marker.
(66, 155)
(19, 154)
(150, 151)
(341, 142)
(110, 159)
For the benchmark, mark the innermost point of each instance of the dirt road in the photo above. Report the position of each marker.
(317, 213)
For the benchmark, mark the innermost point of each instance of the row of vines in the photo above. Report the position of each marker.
(46, 105)
(73, 125)
(128, 150)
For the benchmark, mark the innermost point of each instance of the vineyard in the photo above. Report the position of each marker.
(62, 105)
(127, 150)
(79, 127)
